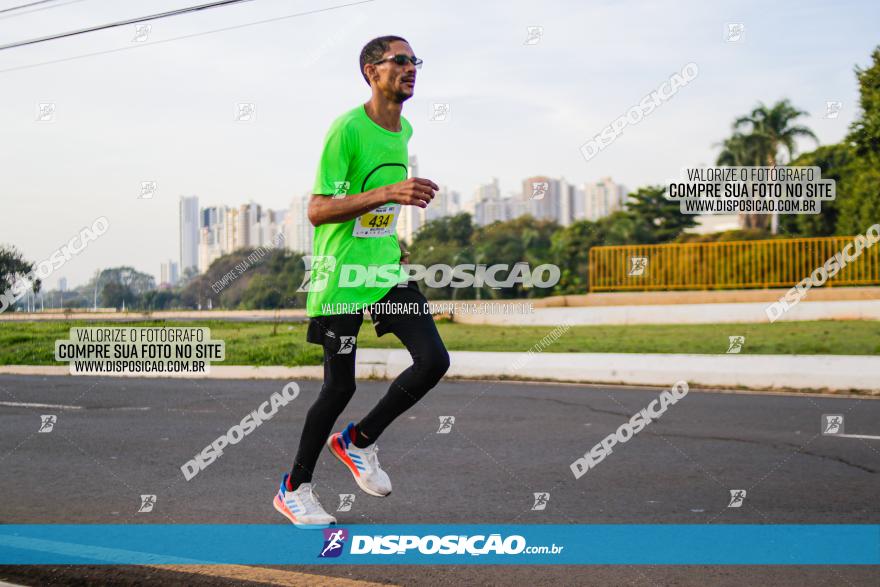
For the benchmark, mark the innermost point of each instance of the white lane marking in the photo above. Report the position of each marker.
(30, 405)
(856, 436)
(66, 407)
(99, 553)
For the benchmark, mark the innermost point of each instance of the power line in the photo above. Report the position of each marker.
(190, 36)
(25, 6)
(38, 9)
(101, 27)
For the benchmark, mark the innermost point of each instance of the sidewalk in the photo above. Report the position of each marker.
(838, 373)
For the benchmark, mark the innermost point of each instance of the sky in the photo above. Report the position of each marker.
(163, 108)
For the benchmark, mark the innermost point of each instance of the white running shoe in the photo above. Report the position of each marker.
(362, 462)
(301, 506)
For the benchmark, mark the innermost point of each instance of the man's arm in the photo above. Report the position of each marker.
(412, 192)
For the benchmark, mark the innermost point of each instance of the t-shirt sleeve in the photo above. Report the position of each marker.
(335, 160)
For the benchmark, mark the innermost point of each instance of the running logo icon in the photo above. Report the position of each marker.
(334, 541)
(318, 270)
(142, 33)
(539, 189)
(541, 500)
(245, 112)
(346, 345)
(439, 112)
(637, 266)
(148, 190)
(46, 112)
(735, 32)
(446, 423)
(346, 500)
(832, 108)
(47, 423)
(534, 34)
(832, 424)
(737, 497)
(147, 503)
(736, 344)
(340, 188)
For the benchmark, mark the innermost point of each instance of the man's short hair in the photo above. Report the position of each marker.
(375, 49)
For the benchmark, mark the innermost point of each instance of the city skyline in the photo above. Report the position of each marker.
(222, 229)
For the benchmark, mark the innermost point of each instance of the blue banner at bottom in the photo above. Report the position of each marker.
(524, 544)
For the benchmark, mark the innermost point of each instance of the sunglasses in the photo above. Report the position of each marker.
(402, 59)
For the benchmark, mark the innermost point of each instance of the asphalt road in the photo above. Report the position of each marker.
(115, 439)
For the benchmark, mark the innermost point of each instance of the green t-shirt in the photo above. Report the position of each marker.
(358, 156)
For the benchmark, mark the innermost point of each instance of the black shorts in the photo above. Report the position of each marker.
(400, 303)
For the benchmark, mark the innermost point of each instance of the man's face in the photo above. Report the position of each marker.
(396, 82)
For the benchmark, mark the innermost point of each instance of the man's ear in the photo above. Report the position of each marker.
(370, 71)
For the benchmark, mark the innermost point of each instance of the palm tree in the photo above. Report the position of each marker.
(741, 150)
(745, 150)
(770, 133)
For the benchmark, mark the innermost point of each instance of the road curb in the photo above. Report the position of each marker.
(831, 372)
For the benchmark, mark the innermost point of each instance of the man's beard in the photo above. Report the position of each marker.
(400, 97)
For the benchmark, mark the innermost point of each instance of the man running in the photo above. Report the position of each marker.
(360, 187)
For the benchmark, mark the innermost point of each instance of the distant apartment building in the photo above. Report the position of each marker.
(169, 274)
(600, 199)
(446, 203)
(298, 230)
(189, 232)
(411, 219)
(214, 235)
(547, 199)
(488, 206)
(224, 229)
(542, 197)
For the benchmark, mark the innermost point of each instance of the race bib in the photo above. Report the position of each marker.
(381, 221)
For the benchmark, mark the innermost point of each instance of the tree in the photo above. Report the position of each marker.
(656, 219)
(13, 266)
(854, 164)
(741, 150)
(860, 208)
(770, 132)
(865, 131)
(837, 162)
(114, 293)
(523, 239)
(571, 251)
(14, 280)
(123, 283)
(456, 229)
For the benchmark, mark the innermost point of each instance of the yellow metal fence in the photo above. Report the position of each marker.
(728, 265)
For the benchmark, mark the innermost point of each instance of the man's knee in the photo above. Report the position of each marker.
(436, 364)
(335, 394)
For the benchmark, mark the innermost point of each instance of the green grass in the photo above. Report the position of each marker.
(247, 343)
(252, 343)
